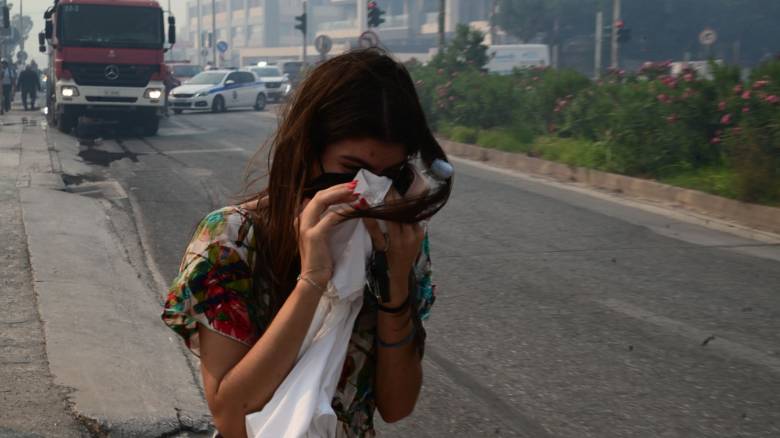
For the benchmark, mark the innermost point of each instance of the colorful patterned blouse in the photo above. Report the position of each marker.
(214, 288)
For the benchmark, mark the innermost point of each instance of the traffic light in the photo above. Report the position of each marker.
(301, 19)
(375, 14)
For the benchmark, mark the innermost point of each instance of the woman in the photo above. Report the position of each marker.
(251, 279)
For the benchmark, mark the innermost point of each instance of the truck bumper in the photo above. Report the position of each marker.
(89, 100)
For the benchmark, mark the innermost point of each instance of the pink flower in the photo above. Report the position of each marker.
(662, 98)
(722, 105)
(737, 88)
(773, 99)
(725, 120)
(715, 140)
(760, 84)
(746, 109)
(688, 77)
(746, 95)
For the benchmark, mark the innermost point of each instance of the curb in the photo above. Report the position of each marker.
(751, 215)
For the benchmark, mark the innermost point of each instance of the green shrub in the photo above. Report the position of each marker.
(504, 140)
(464, 134)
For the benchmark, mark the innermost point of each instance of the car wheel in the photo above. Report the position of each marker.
(218, 106)
(177, 111)
(260, 102)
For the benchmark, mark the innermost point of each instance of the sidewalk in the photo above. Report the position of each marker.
(30, 402)
(81, 316)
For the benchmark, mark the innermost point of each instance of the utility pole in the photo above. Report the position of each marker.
(200, 36)
(615, 43)
(305, 32)
(442, 18)
(21, 25)
(599, 44)
(214, 33)
(493, 33)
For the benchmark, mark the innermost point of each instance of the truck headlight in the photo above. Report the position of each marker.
(153, 93)
(69, 91)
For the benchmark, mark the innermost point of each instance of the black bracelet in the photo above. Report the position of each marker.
(398, 309)
(403, 342)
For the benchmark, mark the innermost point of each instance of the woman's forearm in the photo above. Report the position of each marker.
(251, 383)
(398, 370)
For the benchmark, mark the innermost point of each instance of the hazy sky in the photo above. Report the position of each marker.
(36, 8)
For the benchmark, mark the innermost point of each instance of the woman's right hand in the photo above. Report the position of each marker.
(314, 230)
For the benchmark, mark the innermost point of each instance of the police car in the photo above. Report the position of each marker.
(219, 90)
(277, 83)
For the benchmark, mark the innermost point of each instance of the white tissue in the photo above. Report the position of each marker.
(301, 406)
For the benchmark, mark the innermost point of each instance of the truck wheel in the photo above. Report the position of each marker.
(218, 106)
(260, 102)
(151, 126)
(177, 111)
(66, 122)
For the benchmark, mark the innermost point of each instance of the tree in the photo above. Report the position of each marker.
(465, 50)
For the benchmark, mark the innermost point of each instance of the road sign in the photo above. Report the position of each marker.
(708, 37)
(323, 44)
(368, 39)
(222, 46)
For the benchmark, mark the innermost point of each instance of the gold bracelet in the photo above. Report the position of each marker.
(313, 284)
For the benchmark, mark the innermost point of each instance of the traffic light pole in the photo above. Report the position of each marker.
(214, 33)
(615, 43)
(305, 31)
(599, 44)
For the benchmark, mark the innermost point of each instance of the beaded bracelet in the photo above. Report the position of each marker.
(403, 342)
(312, 283)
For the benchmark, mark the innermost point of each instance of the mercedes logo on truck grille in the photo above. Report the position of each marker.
(112, 72)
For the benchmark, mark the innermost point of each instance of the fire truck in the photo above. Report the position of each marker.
(106, 62)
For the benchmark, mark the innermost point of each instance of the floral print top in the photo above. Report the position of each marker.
(214, 288)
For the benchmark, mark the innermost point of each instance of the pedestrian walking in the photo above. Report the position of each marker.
(8, 79)
(30, 85)
(255, 274)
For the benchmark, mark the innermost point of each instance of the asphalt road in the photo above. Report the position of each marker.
(558, 315)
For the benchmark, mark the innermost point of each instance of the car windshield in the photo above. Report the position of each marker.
(267, 71)
(111, 26)
(207, 78)
(186, 71)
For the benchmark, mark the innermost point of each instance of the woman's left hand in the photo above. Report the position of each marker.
(402, 244)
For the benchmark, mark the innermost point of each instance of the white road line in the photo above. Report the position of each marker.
(718, 344)
(203, 151)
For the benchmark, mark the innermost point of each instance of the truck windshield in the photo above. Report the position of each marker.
(207, 78)
(111, 26)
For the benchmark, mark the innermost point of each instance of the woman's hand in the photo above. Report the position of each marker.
(314, 230)
(402, 244)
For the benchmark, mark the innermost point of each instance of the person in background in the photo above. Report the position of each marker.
(8, 79)
(30, 85)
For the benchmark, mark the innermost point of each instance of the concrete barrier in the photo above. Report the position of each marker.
(751, 215)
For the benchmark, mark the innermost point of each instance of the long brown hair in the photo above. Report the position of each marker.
(360, 94)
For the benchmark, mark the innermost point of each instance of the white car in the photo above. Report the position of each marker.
(218, 91)
(277, 83)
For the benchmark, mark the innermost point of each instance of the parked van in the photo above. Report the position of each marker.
(505, 58)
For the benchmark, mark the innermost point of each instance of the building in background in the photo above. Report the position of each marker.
(264, 30)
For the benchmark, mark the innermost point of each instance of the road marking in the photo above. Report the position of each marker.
(203, 151)
(718, 344)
